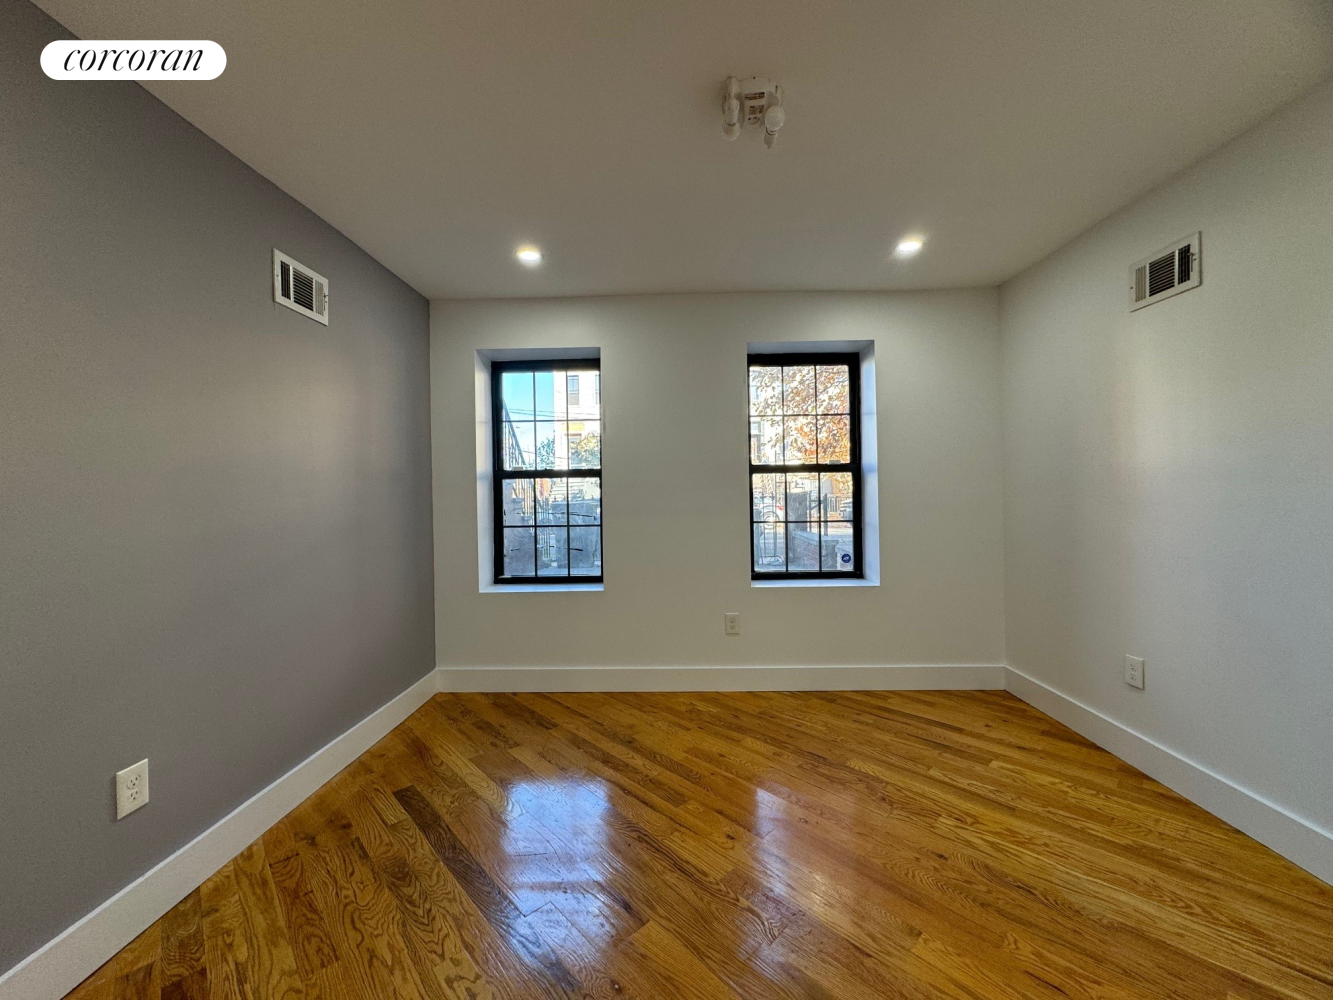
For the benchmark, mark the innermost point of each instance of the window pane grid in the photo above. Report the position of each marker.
(805, 479)
(806, 421)
(547, 451)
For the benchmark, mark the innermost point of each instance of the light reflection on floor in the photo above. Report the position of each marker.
(552, 840)
(563, 850)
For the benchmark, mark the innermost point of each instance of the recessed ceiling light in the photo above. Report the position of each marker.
(529, 255)
(910, 246)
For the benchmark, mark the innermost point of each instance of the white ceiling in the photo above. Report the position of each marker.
(440, 134)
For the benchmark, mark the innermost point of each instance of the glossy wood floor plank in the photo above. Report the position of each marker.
(915, 845)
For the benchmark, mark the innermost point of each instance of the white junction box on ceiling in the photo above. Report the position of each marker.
(299, 288)
(753, 101)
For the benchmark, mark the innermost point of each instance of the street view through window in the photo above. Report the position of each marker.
(805, 475)
(548, 471)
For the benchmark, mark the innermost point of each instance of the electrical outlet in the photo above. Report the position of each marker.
(1134, 671)
(731, 623)
(131, 789)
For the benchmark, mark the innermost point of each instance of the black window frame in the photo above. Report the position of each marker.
(790, 360)
(499, 474)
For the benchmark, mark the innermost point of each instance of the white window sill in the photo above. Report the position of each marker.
(541, 588)
(774, 584)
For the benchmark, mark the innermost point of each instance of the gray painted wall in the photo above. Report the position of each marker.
(215, 514)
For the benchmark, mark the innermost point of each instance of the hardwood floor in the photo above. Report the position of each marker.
(908, 844)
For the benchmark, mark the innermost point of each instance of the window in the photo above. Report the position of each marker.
(805, 466)
(548, 473)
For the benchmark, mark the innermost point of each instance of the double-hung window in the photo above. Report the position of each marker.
(547, 457)
(805, 466)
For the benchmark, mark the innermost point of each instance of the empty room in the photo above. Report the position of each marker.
(610, 499)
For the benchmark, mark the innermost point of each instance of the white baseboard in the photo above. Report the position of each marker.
(64, 962)
(962, 677)
(1296, 839)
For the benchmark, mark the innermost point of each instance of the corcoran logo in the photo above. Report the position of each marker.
(77, 59)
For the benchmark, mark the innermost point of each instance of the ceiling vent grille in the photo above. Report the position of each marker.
(300, 289)
(1173, 269)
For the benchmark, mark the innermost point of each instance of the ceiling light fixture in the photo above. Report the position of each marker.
(530, 256)
(910, 246)
(755, 101)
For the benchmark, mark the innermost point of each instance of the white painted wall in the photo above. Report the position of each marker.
(676, 547)
(1169, 473)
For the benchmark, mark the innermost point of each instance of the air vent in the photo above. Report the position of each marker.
(299, 288)
(1173, 269)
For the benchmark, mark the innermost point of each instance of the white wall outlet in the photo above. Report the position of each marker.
(1134, 671)
(131, 789)
(731, 623)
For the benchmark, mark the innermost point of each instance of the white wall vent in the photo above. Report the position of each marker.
(299, 288)
(1175, 268)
